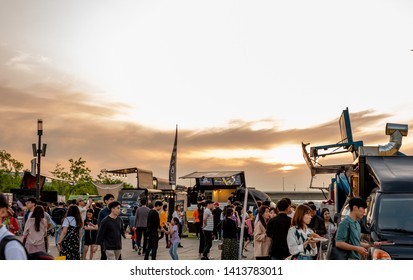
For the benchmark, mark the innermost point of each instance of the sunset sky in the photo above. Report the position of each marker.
(245, 81)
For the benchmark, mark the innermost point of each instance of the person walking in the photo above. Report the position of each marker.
(163, 220)
(141, 222)
(229, 234)
(201, 209)
(110, 232)
(103, 213)
(300, 243)
(58, 214)
(91, 228)
(197, 223)
(262, 242)
(173, 232)
(348, 236)
(217, 222)
(131, 229)
(35, 230)
(208, 227)
(248, 231)
(83, 207)
(179, 214)
(153, 227)
(277, 229)
(30, 204)
(69, 240)
(13, 250)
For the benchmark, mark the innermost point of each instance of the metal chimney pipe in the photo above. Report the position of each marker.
(396, 132)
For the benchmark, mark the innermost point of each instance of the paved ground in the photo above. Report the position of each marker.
(188, 252)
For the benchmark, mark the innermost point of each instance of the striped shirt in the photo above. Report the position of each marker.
(209, 225)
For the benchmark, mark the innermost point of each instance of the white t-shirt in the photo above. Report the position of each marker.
(83, 211)
(13, 249)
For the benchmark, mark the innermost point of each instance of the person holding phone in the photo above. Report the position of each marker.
(91, 227)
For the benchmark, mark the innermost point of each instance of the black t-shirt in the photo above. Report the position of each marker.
(153, 221)
(229, 228)
(277, 229)
(110, 233)
(58, 214)
(217, 215)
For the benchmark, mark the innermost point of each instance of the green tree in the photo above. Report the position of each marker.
(77, 180)
(9, 172)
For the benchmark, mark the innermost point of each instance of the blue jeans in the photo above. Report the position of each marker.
(172, 251)
(304, 257)
(82, 242)
(57, 233)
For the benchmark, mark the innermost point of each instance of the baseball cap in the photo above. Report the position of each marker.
(79, 199)
(216, 204)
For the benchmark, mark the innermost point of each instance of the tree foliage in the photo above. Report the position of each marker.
(9, 172)
(77, 180)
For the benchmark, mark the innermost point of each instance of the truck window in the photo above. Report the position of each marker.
(395, 213)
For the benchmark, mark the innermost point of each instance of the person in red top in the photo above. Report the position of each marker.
(11, 222)
(197, 222)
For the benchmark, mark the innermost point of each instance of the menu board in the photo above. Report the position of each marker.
(228, 181)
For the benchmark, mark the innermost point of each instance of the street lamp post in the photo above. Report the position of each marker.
(40, 151)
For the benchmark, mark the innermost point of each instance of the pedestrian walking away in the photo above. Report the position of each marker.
(153, 228)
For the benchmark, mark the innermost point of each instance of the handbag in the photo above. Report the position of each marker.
(335, 253)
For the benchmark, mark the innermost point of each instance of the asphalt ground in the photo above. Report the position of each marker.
(189, 251)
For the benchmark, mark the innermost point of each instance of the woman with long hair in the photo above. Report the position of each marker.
(299, 238)
(262, 242)
(230, 242)
(91, 229)
(179, 214)
(35, 230)
(330, 226)
(69, 240)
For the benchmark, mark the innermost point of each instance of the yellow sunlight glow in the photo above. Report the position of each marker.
(287, 154)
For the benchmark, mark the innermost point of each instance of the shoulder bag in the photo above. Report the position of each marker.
(335, 253)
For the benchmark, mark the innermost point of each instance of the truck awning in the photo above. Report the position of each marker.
(211, 174)
(393, 173)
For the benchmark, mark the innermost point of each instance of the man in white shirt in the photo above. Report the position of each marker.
(83, 206)
(13, 250)
(208, 228)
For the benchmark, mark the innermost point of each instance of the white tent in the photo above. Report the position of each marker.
(104, 189)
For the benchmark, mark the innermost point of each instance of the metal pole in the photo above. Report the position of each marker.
(39, 152)
(244, 213)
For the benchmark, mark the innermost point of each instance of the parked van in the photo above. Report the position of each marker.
(128, 199)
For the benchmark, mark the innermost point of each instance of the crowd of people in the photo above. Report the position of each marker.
(272, 231)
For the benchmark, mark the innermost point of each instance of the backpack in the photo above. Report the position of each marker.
(33, 256)
(58, 214)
